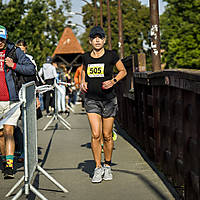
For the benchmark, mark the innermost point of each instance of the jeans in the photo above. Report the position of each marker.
(61, 100)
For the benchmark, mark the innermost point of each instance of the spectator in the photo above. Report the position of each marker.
(9, 96)
(23, 46)
(63, 84)
(68, 88)
(77, 80)
(100, 100)
(74, 94)
(49, 72)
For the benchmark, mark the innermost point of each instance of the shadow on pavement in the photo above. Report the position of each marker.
(87, 145)
(87, 166)
(131, 141)
(145, 180)
(32, 196)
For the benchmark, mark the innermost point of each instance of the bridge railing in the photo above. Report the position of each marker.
(162, 113)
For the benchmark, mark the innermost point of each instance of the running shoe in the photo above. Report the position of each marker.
(98, 173)
(67, 113)
(8, 173)
(48, 115)
(107, 173)
(102, 151)
(114, 135)
(20, 159)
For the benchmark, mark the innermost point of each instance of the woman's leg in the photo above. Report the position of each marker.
(108, 140)
(2, 143)
(96, 128)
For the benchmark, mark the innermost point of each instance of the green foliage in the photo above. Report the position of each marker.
(136, 24)
(40, 23)
(180, 34)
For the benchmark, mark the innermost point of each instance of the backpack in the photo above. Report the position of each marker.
(18, 78)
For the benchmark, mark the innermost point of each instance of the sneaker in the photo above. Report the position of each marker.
(107, 173)
(98, 173)
(8, 173)
(67, 113)
(114, 135)
(20, 159)
(102, 151)
(48, 115)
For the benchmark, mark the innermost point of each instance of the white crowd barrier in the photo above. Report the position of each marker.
(56, 116)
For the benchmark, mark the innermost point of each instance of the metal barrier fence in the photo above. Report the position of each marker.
(56, 116)
(162, 115)
(28, 99)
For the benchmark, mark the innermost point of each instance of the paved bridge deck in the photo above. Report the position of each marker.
(66, 155)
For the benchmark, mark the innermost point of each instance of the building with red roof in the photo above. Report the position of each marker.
(68, 50)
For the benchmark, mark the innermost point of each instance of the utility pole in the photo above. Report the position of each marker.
(155, 35)
(101, 14)
(109, 27)
(95, 12)
(121, 42)
(94, 8)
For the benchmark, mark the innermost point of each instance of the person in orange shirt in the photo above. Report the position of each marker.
(77, 80)
(77, 76)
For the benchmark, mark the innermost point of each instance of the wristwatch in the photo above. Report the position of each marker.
(115, 80)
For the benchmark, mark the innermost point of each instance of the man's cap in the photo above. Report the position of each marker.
(97, 30)
(3, 32)
(49, 59)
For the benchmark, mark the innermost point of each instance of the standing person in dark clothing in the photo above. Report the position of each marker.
(68, 88)
(100, 100)
(77, 80)
(21, 43)
(9, 96)
(23, 46)
(49, 72)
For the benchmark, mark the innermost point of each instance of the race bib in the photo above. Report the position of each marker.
(95, 70)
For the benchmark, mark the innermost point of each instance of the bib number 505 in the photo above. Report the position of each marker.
(95, 70)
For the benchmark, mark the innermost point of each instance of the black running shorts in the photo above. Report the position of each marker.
(106, 109)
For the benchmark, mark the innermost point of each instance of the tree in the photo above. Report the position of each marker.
(11, 15)
(180, 34)
(136, 24)
(39, 22)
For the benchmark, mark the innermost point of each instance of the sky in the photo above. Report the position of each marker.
(77, 7)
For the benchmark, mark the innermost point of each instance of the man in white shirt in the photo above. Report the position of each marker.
(48, 71)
